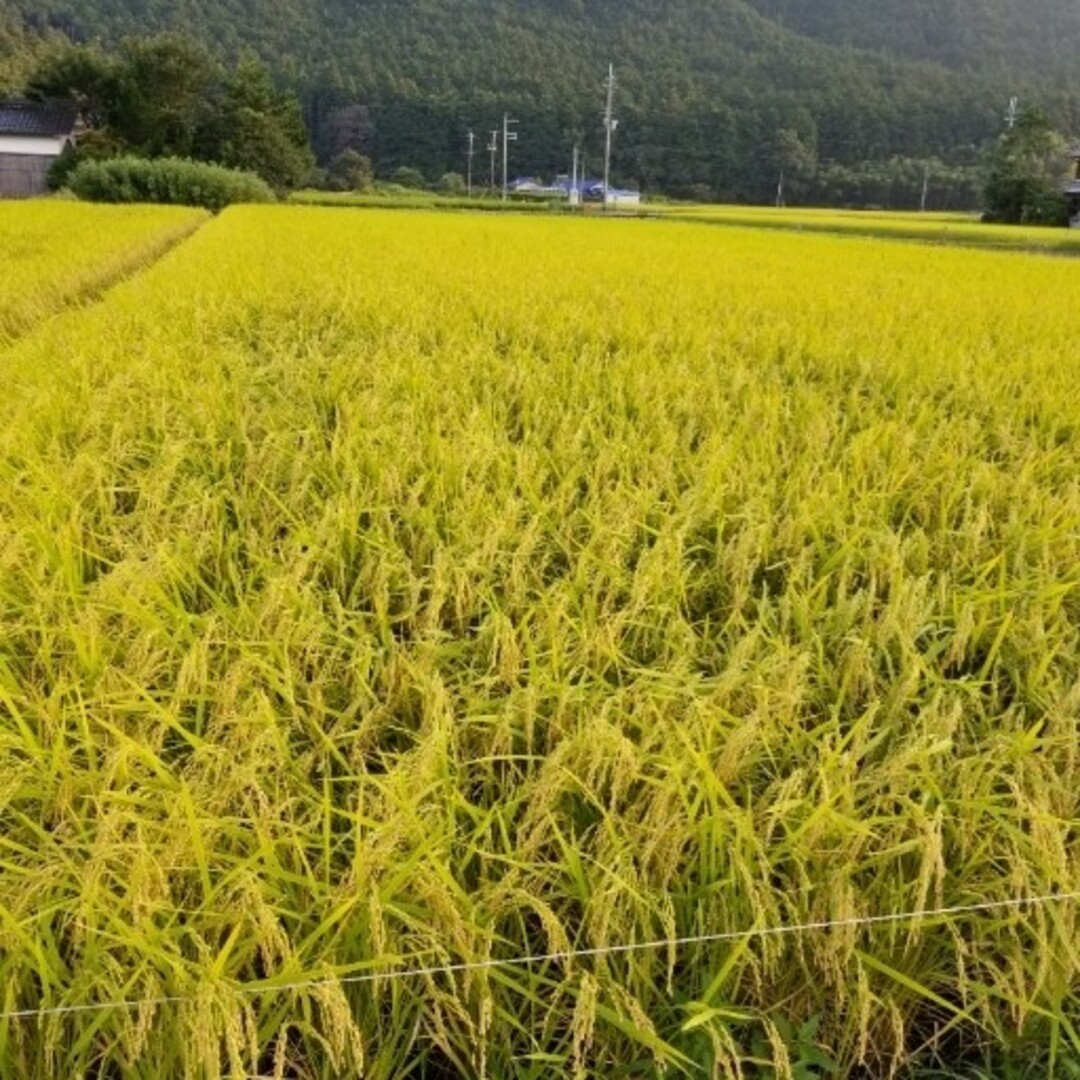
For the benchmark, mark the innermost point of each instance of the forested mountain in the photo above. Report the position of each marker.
(1032, 40)
(19, 50)
(715, 96)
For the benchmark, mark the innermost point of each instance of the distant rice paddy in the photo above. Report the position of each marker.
(962, 230)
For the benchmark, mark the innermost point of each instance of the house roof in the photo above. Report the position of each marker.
(565, 184)
(37, 120)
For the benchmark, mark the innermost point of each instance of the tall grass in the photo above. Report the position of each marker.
(53, 253)
(381, 591)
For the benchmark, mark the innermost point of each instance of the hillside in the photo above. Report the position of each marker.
(18, 50)
(703, 91)
(1029, 41)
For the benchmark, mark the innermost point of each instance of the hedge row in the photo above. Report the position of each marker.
(166, 180)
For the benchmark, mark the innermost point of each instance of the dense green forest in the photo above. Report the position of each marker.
(19, 51)
(854, 100)
(999, 38)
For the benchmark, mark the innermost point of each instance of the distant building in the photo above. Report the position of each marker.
(32, 137)
(1072, 191)
(530, 185)
(592, 190)
(587, 190)
(612, 196)
(622, 197)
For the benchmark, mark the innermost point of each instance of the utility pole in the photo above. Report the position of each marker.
(610, 124)
(575, 191)
(1014, 112)
(493, 150)
(472, 151)
(780, 191)
(925, 186)
(508, 137)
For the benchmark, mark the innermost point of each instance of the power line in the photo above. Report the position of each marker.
(782, 930)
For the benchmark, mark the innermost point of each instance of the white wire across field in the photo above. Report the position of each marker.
(573, 954)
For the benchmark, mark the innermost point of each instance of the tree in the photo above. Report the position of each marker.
(452, 183)
(90, 78)
(83, 74)
(162, 88)
(150, 98)
(19, 52)
(348, 127)
(408, 177)
(793, 158)
(165, 97)
(350, 171)
(702, 92)
(1026, 170)
(258, 128)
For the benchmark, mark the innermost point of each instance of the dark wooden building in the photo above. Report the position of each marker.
(32, 136)
(1072, 191)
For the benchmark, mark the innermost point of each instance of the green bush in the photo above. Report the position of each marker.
(452, 183)
(409, 178)
(166, 180)
(350, 171)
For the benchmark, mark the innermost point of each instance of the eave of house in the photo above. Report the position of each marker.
(33, 145)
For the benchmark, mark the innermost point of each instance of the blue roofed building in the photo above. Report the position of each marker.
(592, 190)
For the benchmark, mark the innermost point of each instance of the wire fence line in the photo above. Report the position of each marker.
(531, 960)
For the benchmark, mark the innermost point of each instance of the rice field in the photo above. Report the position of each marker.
(426, 200)
(53, 253)
(895, 218)
(965, 230)
(384, 592)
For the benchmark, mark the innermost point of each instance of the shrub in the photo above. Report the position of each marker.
(410, 178)
(452, 183)
(166, 180)
(94, 145)
(350, 171)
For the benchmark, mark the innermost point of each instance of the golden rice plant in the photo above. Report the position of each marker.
(53, 253)
(387, 591)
